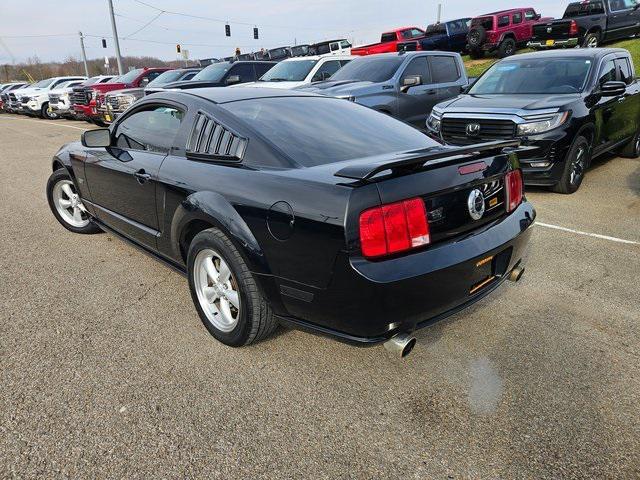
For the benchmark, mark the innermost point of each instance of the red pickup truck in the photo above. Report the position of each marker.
(86, 100)
(389, 41)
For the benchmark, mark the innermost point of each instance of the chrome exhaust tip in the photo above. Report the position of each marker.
(400, 345)
(516, 274)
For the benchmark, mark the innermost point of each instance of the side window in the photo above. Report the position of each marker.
(345, 44)
(188, 76)
(262, 68)
(244, 71)
(388, 37)
(444, 69)
(516, 18)
(607, 72)
(529, 15)
(152, 129)
(597, 8)
(503, 21)
(329, 68)
(624, 69)
(334, 46)
(417, 66)
(617, 5)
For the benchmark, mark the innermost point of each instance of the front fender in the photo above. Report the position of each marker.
(213, 208)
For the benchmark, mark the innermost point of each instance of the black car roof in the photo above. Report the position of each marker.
(595, 53)
(225, 95)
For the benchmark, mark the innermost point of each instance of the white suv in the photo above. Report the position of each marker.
(300, 71)
(35, 100)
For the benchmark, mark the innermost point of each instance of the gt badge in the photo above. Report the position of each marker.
(475, 204)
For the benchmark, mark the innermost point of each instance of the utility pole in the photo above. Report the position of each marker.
(84, 55)
(439, 12)
(115, 38)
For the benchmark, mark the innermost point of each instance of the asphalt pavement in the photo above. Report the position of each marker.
(107, 372)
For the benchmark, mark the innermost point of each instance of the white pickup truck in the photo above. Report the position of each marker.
(300, 71)
(35, 100)
(59, 101)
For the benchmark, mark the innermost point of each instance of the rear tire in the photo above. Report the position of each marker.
(591, 40)
(66, 205)
(632, 149)
(507, 48)
(225, 293)
(575, 166)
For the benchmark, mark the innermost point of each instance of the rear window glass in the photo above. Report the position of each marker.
(369, 69)
(484, 22)
(387, 37)
(583, 9)
(316, 131)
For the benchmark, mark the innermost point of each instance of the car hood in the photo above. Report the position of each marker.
(186, 84)
(109, 87)
(59, 91)
(509, 104)
(281, 85)
(341, 88)
(25, 91)
(136, 92)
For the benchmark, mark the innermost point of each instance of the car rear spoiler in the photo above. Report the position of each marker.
(365, 171)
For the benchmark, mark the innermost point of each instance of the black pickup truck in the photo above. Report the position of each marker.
(588, 24)
(565, 106)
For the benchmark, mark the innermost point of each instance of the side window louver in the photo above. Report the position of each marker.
(211, 140)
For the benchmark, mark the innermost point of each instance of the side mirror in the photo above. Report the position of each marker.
(411, 81)
(144, 82)
(613, 89)
(538, 16)
(100, 137)
(231, 79)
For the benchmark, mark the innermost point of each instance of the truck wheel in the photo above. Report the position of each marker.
(632, 149)
(507, 48)
(575, 166)
(224, 291)
(476, 37)
(98, 122)
(592, 40)
(476, 54)
(44, 112)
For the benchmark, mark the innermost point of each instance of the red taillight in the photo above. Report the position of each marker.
(513, 182)
(394, 228)
(573, 29)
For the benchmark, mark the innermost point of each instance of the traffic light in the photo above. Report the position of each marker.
(255, 33)
(178, 48)
(227, 30)
(104, 43)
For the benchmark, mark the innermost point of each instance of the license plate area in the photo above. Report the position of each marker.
(489, 269)
(550, 43)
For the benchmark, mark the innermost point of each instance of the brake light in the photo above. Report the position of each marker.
(513, 182)
(394, 228)
(573, 29)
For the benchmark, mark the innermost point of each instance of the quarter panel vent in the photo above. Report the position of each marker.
(210, 139)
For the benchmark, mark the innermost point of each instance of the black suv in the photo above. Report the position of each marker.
(566, 107)
(224, 73)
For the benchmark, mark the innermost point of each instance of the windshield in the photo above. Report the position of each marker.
(90, 81)
(311, 130)
(213, 73)
(166, 77)
(534, 76)
(43, 83)
(130, 76)
(370, 69)
(291, 71)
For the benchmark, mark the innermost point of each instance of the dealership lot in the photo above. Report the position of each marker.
(106, 369)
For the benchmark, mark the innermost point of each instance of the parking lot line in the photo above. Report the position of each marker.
(43, 121)
(588, 234)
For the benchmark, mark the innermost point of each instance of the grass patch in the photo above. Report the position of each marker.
(477, 67)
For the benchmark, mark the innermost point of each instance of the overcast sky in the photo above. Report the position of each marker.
(282, 22)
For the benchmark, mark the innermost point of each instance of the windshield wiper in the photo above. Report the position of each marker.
(277, 80)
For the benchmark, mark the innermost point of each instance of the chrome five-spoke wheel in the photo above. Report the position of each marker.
(69, 205)
(217, 290)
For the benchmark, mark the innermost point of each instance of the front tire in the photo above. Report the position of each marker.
(44, 112)
(575, 166)
(66, 204)
(225, 293)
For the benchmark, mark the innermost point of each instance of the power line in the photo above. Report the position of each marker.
(144, 26)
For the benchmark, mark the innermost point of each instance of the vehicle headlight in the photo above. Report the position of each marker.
(126, 100)
(433, 122)
(542, 125)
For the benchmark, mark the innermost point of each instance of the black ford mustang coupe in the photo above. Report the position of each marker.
(289, 207)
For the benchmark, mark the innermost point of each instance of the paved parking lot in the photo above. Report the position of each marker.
(106, 370)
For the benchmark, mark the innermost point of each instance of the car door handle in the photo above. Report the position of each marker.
(142, 176)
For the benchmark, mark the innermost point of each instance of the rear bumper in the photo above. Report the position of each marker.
(369, 302)
(541, 44)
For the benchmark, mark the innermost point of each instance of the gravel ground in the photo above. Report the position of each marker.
(107, 372)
